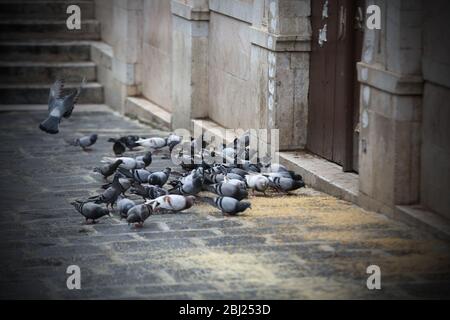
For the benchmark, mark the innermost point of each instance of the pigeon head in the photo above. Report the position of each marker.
(93, 138)
(147, 159)
(105, 212)
(190, 200)
(242, 206)
(299, 184)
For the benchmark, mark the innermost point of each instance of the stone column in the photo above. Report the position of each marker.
(281, 34)
(391, 106)
(190, 61)
(121, 74)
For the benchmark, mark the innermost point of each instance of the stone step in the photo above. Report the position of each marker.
(38, 93)
(44, 51)
(46, 72)
(44, 9)
(47, 29)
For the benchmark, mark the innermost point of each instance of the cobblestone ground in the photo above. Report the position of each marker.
(306, 246)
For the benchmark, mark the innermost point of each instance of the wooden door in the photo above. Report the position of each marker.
(333, 102)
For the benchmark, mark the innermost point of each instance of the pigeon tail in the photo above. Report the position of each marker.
(50, 125)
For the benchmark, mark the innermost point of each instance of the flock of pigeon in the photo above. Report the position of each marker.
(169, 191)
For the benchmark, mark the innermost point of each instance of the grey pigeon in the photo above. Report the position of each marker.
(59, 106)
(148, 192)
(90, 211)
(138, 175)
(84, 142)
(159, 178)
(123, 184)
(124, 205)
(285, 184)
(108, 169)
(191, 187)
(146, 159)
(229, 205)
(228, 190)
(138, 214)
(110, 195)
(172, 202)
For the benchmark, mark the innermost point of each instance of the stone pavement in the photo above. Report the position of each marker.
(306, 246)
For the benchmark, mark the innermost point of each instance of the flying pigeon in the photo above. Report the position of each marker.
(90, 211)
(108, 169)
(229, 205)
(84, 142)
(59, 106)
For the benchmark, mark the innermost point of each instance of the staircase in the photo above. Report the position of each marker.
(36, 48)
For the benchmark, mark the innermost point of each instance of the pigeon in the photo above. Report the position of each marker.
(138, 175)
(124, 205)
(90, 211)
(285, 184)
(122, 143)
(138, 214)
(108, 169)
(127, 163)
(59, 106)
(229, 205)
(227, 190)
(191, 186)
(159, 178)
(84, 142)
(173, 140)
(148, 192)
(237, 182)
(110, 195)
(153, 143)
(257, 182)
(146, 159)
(172, 202)
(123, 185)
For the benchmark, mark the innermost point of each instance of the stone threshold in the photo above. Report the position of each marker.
(318, 173)
(148, 112)
(424, 219)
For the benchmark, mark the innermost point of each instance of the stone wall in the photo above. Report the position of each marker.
(391, 105)
(157, 52)
(435, 161)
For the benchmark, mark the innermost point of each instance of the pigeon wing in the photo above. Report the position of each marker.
(56, 91)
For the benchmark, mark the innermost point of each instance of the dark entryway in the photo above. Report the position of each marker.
(334, 92)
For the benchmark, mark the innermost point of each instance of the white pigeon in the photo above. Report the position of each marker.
(257, 182)
(172, 202)
(153, 143)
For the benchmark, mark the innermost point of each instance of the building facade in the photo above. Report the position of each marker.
(362, 113)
